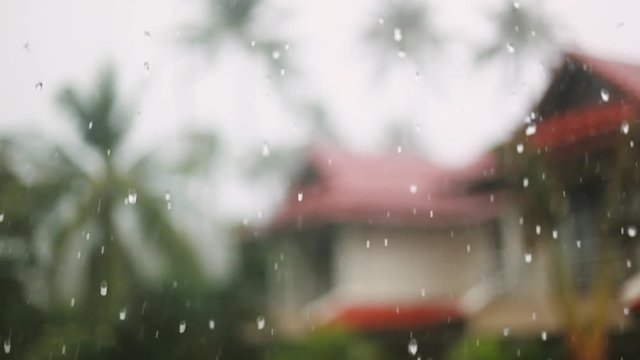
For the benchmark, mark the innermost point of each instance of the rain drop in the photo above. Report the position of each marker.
(530, 130)
(300, 196)
(519, 148)
(386, 242)
(1, 217)
(624, 127)
(182, 327)
(397, 34)
(510, 48)
(505, 331)
(212, 324)
(7, 345)
(543, 335)
(167, 196)
(260, 321)
(525, 182)
(146, 67)
(626, 311)
(631, 231)
(628, 264)
(412, 347)
(132, 197)
(528, 257)
(275, 55)
(39, 85)
(399, 149)
(413, 188)
(265, 150)
(73, 302)
(123, 314)
(90, 125)
(604, 95)
(368, 244)
(103, 288)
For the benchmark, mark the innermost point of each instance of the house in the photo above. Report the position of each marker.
(381, 243)
(584, 130)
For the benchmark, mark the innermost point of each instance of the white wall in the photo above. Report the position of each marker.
(445, 264)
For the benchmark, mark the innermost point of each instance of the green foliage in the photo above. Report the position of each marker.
(520, 31)
(328, 344)
(495, 348)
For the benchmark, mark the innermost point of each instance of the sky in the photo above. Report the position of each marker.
(455, 108)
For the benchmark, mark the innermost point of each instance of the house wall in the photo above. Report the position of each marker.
(444, 262)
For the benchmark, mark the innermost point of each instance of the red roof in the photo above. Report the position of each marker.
(401, 317)
(587, 124)
(396, 189)
(623, 75)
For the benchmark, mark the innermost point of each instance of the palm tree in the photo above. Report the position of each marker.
(237, 22)
(585, 306)
(403, 29)
(98, 217)
(521, 32)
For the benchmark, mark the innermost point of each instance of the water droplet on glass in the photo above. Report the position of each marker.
(402, 54)
(543, 335)
(26, 47)
(413, 188)
(423, 292)
(468, 247)
(625, 311)
(554, 234)
(1, 217)
(578, 244)
(275, 54)
(260, 321)
(516, 4)
(628, 263)
(412, 347)
(397, 34)
(519, 148)
(528, 257)
(604, 95)
(265, 150)
(624, 127)
(38, 85)
(282, 72)
(399, 149)
(103, 288)
(253, 43)
(530, 130)
(182, 327)
(7, 345)
(300, 196)
(146, 67)
(368, 244)
(525, 182)
(380, 21)
(510, 48)
(123, 314)
(386, 242)
(147, 33)
(132, 197)
(90, 125)
(505, 331)
(538, 229)
(212, 324)
(631, 231)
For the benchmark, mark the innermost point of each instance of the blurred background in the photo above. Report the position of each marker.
(161, 162)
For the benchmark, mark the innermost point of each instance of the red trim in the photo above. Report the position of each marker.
(582, 124)
(389, 317)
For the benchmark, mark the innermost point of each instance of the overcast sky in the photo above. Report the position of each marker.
(456, 108)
